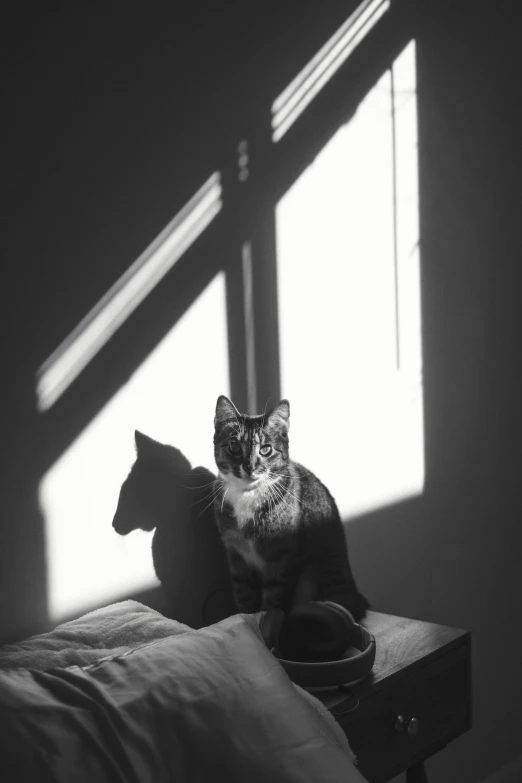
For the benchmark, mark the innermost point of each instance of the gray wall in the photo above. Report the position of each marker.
(453, 555)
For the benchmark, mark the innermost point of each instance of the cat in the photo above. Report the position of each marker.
(280, 525)
(164, 493)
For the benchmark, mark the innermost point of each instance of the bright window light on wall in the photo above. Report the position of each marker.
(349, 303)
(294, 99)
(91, 334)
(87, 562)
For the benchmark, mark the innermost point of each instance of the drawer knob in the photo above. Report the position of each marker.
(401, 723)
(413, 727)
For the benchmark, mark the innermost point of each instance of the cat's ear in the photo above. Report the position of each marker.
(280, 415)
(225, 410)
(145, 446)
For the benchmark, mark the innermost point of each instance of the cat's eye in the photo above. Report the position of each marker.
(265, 450)
(234, 447)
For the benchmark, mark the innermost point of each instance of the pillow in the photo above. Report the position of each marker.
(212, 704)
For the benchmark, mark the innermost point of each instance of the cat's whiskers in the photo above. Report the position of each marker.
(223, 501)
(288, 476)
(277, 500)
(271, 501)
(211, 501)
(274, 494)
(213, 498)
(286, 490)
(296, 498)
(198, 486)
(279, 494)
(213, 492)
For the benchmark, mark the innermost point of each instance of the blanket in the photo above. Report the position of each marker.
(124, 694)
(112, 630)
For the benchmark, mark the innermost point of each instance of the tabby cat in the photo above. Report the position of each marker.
(281, 529)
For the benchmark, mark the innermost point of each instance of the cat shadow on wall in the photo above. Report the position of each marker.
(164, 493)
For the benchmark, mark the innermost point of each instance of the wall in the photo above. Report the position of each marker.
(452, 556)
(113, 121)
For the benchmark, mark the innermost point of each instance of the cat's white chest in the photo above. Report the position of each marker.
(243, 503)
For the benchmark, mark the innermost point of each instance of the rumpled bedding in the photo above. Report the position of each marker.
(112, 630)
(124, 694)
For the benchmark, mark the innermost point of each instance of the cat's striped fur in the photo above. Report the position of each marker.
(280, 526)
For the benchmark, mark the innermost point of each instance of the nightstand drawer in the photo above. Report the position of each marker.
(396, 726)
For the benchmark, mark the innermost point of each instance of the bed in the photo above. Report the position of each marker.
(125, 694)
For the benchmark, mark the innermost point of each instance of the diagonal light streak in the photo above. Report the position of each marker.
(95, 329)
(291, 103)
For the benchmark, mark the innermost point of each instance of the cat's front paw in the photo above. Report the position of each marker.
(271, 601)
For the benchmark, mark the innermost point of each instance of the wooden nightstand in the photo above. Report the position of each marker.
(417, 699)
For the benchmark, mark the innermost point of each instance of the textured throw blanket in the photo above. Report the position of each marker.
(124, 694)
(113, 630)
